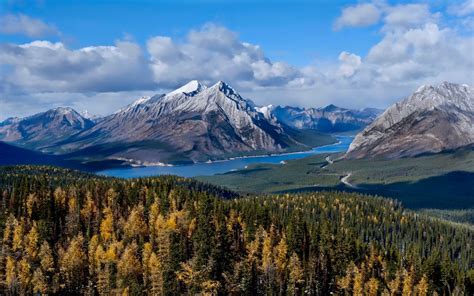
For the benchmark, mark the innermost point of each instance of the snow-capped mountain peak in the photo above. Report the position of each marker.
(266, 111)
(192, 87)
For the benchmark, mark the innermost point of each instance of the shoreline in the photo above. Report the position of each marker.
(160, 164)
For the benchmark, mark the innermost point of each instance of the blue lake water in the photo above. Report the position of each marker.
(219, 167)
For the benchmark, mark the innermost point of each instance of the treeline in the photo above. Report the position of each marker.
(65, 232)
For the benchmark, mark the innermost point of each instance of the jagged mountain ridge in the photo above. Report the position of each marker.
(432, 119)
(326, 119)
(43, 129)
(194, 121)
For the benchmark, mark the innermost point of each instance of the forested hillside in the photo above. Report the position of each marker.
(70, 233)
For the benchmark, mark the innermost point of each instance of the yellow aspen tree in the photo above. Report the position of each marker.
(129, 266)
(39, 282)
(190, 277)
(91, 254)
(107, 225)
(146, 254)
(210, 288)
(31, 200)
(162, 239)
(8, 230)
(135, 227)
(423, 286)
(111, 198)
(153, 213)
(395, 284)
(156, 275)
(267, 266)
(11, 280)
(18, 236)
(46, 264)
(24, 275)
(345, 283)
(88, 211)
(408, 283)
(358, 288)
(46, 257)
(267, 260)
(72, 263)
(372, 287)
(60, 198)
(296, 275)
(102, 271)
(32, 242)
(73, 215)
(126, 291)
(281, 254)
(281, 261)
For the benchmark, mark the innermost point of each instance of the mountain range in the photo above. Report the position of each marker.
(431, 120)
(43, 129)
(330, 119)
(192, 123)
(198, 123)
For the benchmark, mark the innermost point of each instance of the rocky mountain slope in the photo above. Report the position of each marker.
(432, 119)
(327, 119)
(43, 129)
(193, 122)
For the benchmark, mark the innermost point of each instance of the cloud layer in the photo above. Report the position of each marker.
(416, 47)
(13, 24)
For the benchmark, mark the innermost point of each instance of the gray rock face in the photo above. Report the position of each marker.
(327, 119)
(43, 129)
(194, 121)
(431, 120)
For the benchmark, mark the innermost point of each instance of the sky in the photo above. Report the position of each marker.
(101, 55)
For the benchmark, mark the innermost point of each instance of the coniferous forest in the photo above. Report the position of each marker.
(66, 232)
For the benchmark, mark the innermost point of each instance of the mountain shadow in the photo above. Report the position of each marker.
(453, 190)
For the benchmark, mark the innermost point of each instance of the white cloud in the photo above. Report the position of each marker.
(42, 66)
(349, 64)
(407, 16)
(360, 15)
(21, 24)
(215, 53)
(463, 9)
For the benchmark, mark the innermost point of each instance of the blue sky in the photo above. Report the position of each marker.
(296, 31)
(307, 53)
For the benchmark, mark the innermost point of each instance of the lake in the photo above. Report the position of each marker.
(219, 167)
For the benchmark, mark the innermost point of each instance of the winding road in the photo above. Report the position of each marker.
(345, 181)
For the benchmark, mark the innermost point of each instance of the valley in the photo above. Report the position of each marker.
(427, 181)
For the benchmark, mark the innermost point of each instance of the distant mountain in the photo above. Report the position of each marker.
(43, 129)
(193, 123)
(431, 120)
(12, 155)
(327, 119)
